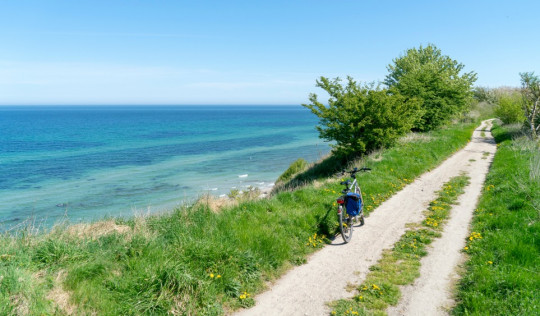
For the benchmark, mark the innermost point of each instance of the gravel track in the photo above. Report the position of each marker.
(306, 289)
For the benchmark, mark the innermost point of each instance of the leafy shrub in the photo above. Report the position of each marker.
(435, 79)
(509, 108)
(361, 118)
(296, 167)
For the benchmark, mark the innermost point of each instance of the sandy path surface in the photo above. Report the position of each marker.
(431, 294)
(306, 289)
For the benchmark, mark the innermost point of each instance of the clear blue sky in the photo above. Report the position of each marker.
(244, 52)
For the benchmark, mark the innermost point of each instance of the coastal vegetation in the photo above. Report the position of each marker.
(195, 260)
(502, 271)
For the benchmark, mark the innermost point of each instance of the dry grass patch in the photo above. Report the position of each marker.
(98, 229)
(415, 137)
(21, 304)
(60, 297)
(216, 204)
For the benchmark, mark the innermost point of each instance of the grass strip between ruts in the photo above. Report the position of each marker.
(193, 260)
(401, 265)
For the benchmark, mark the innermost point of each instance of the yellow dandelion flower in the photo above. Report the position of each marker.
(466, 248)
(211, 275)
(490, 262)
(218, 276)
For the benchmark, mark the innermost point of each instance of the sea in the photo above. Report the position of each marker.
(80, 164)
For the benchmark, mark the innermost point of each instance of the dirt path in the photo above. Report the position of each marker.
(431, 294)
(305, 290)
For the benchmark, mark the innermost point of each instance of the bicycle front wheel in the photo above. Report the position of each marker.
(345, 226)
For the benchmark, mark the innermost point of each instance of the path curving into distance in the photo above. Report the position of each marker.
(306, 289)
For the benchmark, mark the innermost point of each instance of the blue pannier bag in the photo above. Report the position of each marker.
(353, 204)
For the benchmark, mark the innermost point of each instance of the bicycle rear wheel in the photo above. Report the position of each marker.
(345, 227)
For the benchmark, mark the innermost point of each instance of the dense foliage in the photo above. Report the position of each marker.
(361, 118)
(434, 78)
(509, 108)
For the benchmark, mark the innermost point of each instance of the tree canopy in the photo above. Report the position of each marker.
(434, 78)
(361, 117)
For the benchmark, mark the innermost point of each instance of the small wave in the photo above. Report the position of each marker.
(222, 195)
(260, 183)
(243, 176)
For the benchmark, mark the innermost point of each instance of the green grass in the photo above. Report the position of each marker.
(170, 263)
(401, 265)
(503, 270)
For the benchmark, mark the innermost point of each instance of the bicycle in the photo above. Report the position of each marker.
(354, 205)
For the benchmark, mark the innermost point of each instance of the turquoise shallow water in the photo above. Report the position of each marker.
(89, 162)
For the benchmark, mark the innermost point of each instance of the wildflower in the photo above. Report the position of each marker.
(218, 276)
(333, 312)
(211, 275)
(375, 287)
(466, 248)
(360, 297)
(380, 293)
(490, 262)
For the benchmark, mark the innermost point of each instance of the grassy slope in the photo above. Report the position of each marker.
(503, 271)
(193, 260)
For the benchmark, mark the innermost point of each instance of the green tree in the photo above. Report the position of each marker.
(360, 117)
(434, 78)
(530, 89)
(509, 108)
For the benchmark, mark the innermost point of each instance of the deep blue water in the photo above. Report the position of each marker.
(89, 162)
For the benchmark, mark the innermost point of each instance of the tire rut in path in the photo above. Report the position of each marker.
(306, 289)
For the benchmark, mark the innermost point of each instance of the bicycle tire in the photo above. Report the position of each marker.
(346, 230)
